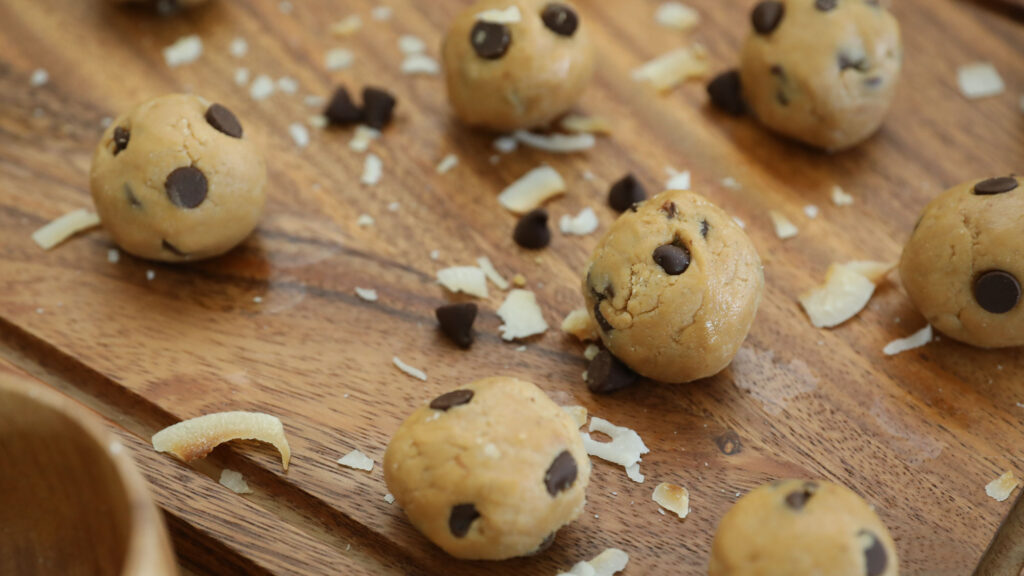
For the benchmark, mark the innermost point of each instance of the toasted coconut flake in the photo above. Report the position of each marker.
(362, 137)
(193, 439)
(509, 15)
(468, 279)
(338, 59)
(626, 446)
(673, 498)
(581, 325)
(373, 168)
(357, 460)
(65, 227)
(979, 80)
(347, 26)
(580, 225)
(234, 481)
(844, 294)
(677, 15)
(368, 294)
(185, 50)
(633, 473)
(915, 340)
(1001, 488)
(532, 190)
(558, 143)
(784, 227)
(669, 70)
(410, 370)
(840, 197)
(607, 563)
(521, 316)
(420, 64)
(491, 272)
(586, 124)
(577, 413)
(447, 164)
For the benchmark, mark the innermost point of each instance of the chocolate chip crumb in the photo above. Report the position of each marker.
(532, 230)
(995, 186)
(456, 322)
(223, 120)
(626, 193)
(490, 40)
(560, 19)
(450, 400)
(186, 187)
(997, 291)
(767, 16)
(461, 519)
(726, 93)
(673, 258)
(606, 374)
(121, 138)
(341, 111)
(561, 474)
(378, 107)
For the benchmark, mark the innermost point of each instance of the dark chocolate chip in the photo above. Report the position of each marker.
(997, 292)
(341, 111)
(560, 19)
(186, 187)
(449, 400)
(797, 500)
(456, 322)
(121, 138)
(826, 5)
(726, 93)
(602, 322)
(532, 230)
(461, 519)
(729, 443)
(673, 258)
(625, 193)
(670, 209)
(767, 16)
(223, 120)
(172, 249)
(876, 559)
(781, 97)
(490, 40)
(561, 474)
(378, 106)
(606, 374)
(995, 186)
(847, 61)
(131, 197)
(704, 228)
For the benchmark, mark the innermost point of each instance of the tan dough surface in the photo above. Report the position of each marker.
(960, 236)
(674, 328)
(537, 80)
(792, 80)
(166, 133)
(494, 453)
(801, 528)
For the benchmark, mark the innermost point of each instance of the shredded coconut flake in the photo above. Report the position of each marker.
(784, 227)
(372, 170)
(362, 138)
(840, 197)
(238, 47)
(410, 370)
(65, 227)
(506, 144)
(676, 15)
(581, 325)
(979, 80)
(669, 70)
(580, 225)
(532, 190)
(633, 473)
(368, 294)
(558, 143)
(607, 563)
(468, 279)
(299, 134)
(673, 498)
(287, 84)
(410, 44)
(420, 64)
(577, 413)
(586, 124)
(39, 78)
(364, 221)
(625, 449)
(844, 294)
(381, 13)
(509, 15)
(357, 460)
(811, 211)
(184, 50)
(113, 256)
(1001, 488)
(447, 163)
(338, 59)
(731, 183)
(241, 76)
(234, 481)
(347, 26)
(262, 87)
(492, 274)
(389, 498)
(915, 340)
(318, 121)
(677, 180)
(521, 316)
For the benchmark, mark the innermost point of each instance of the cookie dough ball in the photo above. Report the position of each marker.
(964, 265)
(673, 287)
(176, 179)
(512, 64)
(821, 71)
(489, 471)
(801, 528)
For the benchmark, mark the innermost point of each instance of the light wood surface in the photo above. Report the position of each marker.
(918, 435)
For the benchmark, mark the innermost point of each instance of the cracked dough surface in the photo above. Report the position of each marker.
(824, 77)
(537, 80)
(129, 187)
(802, 528)
(674, 328)
(494, 453)
(960, 236)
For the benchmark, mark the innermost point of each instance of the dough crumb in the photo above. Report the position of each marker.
(577, 413)
(840, 197)
(532, 190)
(633, 473)
(521, 316)
(506, 144)
(287, 84)
(669, 70)
(979, 80)
(389, 498)
(185, 50)
(580, 225)
(242, 76)
(591, 352)
(234, 481)
(381, 13)
(357, 460)
(677, 16)
(581, 325)
(731, 183)
(447, 164)
(784, 227)
(365, 221)
(1001, 488)
(238, 47)
(410, 370)
(673, 498)
(915, 340)
(468, 279)
(113, 255)
(811, 211)
(677, 180)
(66, 226)
(409, 44)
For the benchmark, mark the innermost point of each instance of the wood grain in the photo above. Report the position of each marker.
(918, 435)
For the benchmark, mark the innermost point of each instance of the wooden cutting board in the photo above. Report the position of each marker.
(276, 326)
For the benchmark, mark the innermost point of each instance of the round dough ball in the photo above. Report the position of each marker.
(673, 287)
(522, 74)
(176, 180)
(964, 265)
(801, 528)
(489, 471)
(821, 71)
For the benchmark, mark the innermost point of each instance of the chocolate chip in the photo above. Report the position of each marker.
(532, 230)
(726, 93)
(729, 443)
(341, 111)
(561, 474)
(625, 193)
(378, 106)
(876, 559)
(767, 16)
(781, 97)
(673, 258)
(606, 374)
(121, 137)
(560, 19)
(995, 186)
(461, 519)
(797, 500)
(449, 400)
(856, 61)
(186, 187)
(172, 249)
(456, 322)
(602, 322)
(490, 40)
(778, 71)
(704, 228)
(997, 292)
(826, 5)
(130, 196)
(670, 209)
(223, 120)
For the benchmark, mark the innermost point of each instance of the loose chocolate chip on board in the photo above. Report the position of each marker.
(995, 186)
(606, 374)
(532, 230)
(602, 322)
(726, 93)
(461, 519)
(378, 106)
(172, 249)
(121, 138)
(625, 193)
(997, 292)
(186, 187)
(767, 16)
(797, 500)
(826, 5)
(729, 443)
(670, 209)
(561, 474)
(490, 40)
(341, 111)
(456, 322)
(223, 120)
(673, 258)
(560, 19)
(704, 228)
(449, 400)
(875, 557)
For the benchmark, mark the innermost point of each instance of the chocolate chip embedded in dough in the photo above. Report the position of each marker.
(673, 258)
(561, 474)
(767, 16)
(560, 19)
(490, 40)
(461, 518)
(223, 120)
(186, 187)
(997, 291)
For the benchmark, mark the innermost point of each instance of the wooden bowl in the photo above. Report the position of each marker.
(71, 501)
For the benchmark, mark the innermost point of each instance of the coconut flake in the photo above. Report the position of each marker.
(410, 44)
(299, 134)
(447, 163)
(521, 316)
(673, 498)
(586, 124)
(577, 413)
(238, 47)
(357, 460)
(669, 70)
(840, 197)
(625, 448)
(1001, 488)
(234, 481)
(364, 221)
(38, 78)
(510, 15)
(557, 143)
(580, 225)
(287, 84)
(362, 137)
(372, 170)
(113, 256)
(811, 211)
(492, 274)
(915, 340)
(677, 15)
(591, 352)
(677, 180)
(874, 271)
(581, 325)
(368, 294)
(381, 13)
(184, 50)
(979, 80)
(338, 59)
(195, 438)
(318, 121)
(844, 294)
(241, 76)
(506, 144)
(420, 64)
(633, 473)
(410, 370)
(468, 279)
(347, 26)
(65, 227)
(784, 227)
(607, 563)
(389, 498)
(262, 87)
(532, 190)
